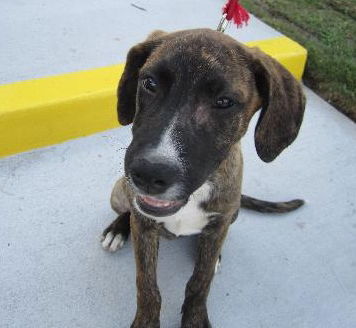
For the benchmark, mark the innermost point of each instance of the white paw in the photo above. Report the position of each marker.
(217, 266)
(112, 242)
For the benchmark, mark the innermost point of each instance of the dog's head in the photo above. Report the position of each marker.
(190, 96)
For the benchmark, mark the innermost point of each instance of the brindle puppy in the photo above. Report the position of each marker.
(190, 96)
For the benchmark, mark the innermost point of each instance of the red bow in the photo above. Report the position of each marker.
(235, 12)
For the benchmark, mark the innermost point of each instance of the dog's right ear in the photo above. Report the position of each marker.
(283, 104)
(126, 92)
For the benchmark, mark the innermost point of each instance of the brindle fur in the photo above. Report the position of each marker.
(262, 82)
(270, 207)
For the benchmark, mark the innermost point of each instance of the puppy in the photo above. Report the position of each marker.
(190, 96)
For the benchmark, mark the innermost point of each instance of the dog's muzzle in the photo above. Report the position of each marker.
(157, 207)
(157, 187)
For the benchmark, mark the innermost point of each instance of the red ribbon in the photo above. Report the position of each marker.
(234, 11)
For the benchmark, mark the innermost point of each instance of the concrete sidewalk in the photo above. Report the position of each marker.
(296, 270)
(41, 38)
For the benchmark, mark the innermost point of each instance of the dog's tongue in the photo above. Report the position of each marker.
(157, 202)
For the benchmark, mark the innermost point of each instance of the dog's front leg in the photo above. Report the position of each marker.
(194, 311)
(145, 238)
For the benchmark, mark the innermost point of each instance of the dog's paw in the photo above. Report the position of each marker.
(145, 325)
(196, 323)
(217, 265)
(195, 316)
(116, 234)
(145, 322)
(112, 242)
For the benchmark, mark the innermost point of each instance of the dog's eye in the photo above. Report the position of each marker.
(149, 84)
(224, 102)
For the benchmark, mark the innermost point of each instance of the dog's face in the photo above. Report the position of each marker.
(191, 95)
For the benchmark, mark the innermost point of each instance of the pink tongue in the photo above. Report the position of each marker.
(156, 202)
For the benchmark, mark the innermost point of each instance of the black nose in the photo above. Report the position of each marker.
(153, 178)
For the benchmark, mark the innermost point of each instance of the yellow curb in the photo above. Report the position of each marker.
(46, 111)
(288, 52)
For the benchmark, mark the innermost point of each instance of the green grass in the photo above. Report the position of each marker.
(327, 29)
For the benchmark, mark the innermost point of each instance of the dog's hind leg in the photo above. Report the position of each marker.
(116, 234)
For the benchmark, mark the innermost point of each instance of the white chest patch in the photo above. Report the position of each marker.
(191, 218)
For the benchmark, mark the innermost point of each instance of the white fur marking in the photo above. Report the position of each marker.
(117, 243)
(217, 266)
(112, 242)
(168, 147)
(107, 240)
(190, 219)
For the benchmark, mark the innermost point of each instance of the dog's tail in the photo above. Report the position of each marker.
(270, 207)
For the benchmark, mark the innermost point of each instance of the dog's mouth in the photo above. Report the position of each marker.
(157, 207)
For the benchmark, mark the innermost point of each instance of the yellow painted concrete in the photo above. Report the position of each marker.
(288, 52)
(50, 110)
(45, 111)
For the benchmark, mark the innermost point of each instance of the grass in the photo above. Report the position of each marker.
(327, 29)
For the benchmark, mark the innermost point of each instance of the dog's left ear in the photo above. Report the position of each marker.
(126, 92)
(283, 104)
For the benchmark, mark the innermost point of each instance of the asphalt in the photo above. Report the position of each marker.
(295, 270)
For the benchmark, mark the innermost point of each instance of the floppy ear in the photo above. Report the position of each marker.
(126, 92)
(283, 106)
